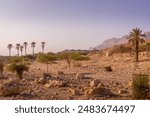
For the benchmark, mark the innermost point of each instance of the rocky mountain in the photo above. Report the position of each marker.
(116, 41)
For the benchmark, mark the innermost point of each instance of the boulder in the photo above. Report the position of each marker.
(94, 83)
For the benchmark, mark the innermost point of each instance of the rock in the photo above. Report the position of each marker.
(94, 83)
(55, 83)
(41, 80)
(47, 85)
(45, 75)
(129, 84)
(73, 91)
(60, 73)
(80, 76)
(10, 88)
(108, 69)
(98, 90)
(121, 91)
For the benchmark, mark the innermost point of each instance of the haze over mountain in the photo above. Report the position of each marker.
(116, 41)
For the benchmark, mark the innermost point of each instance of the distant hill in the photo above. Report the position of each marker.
(116, 41)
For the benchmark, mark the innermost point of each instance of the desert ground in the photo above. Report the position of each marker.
(84, 80)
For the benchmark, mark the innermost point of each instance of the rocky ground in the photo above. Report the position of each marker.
(87, 80)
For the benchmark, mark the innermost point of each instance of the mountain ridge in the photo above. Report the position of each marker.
(116, 41)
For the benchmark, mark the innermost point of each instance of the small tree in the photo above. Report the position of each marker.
(78, 56)
(25, 47)
(70, 56)
(66, 56)
(136, 38)
(46, 59)
(43, 46)
(10, 46)
(33, 46)
(18, 66)
(17, 47)
(21, 49)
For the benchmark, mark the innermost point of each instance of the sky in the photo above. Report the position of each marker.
(69, 24)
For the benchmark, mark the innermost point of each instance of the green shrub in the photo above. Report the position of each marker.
(140, 86)
(18, 65)
(120, 49)
(19, 68)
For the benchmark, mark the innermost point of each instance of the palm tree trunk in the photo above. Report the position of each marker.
(33, 51)
(18, 52)
(136, 52)
(42, 50)
(9, 52)
(25, 51)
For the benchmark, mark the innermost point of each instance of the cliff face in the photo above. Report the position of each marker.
(116, 41)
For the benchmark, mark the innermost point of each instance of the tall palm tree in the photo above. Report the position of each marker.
(17, 47)
(33, 46)
(9, 48)
(21, 49)
(136, 38)
(25, 47)
(43, 46)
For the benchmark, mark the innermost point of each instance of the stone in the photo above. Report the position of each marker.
(98, 90)
(41, 80)
(73, 91)
(129, 84)
(94, 83)
(60, 73)
(108, 69)
(121, 91)
(55, 83)
(80, 76)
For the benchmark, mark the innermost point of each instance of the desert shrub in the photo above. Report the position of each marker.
(140, 85)
(67, 56)
(76, 56)
(18, 65)
(120, 49)
(19, 68)
(46, 59)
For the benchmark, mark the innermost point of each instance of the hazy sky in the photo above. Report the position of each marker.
(69, 24)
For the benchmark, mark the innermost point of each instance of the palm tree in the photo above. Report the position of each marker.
(18, 47)
(135, 38)
(21, 49)
(43, 45)
(33, 46)
(9, 48)
(25, 47)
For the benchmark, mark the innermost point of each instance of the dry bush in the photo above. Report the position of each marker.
(1, 66)
(140, 85)
(120, 49)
